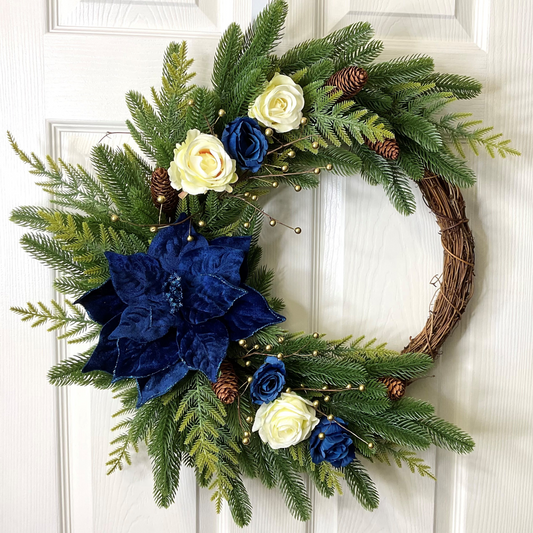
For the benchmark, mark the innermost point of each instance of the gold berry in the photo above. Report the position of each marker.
(329, 166)
(246, 441)
(325, 387)
(254, 197)
(190, 238)
(303, 121)
(292, 154)
(114, 218)
(370, 445)
(349, 386)
(246, 434)
(269, 132)
(221, 113)
(317, 170)
(331, 418)
(284, 168)
(256, 346)
(161, 199)
(201, 223)
(275, 184)
(327, 398)
(248, 363)
(242, 342)
(280, 356)
(316, 404)
(190, 102)
(315, 145)
(297, 188)
(249, 419)
(249, 379)
(316, 335)
(315, 352)
(297, 231)
(321, 436)
(288, 389)
(153, 229)
(273, 222)
(281, 339)
(246, 194)
(362, 387)
(246, 225)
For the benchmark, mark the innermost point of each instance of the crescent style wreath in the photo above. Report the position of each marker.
(157, 248)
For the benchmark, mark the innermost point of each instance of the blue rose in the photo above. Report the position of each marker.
(174, 309)
(336, 447)
(268, 381)
(244, 141)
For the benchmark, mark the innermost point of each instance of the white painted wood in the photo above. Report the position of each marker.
(29, 490)
(348, 272)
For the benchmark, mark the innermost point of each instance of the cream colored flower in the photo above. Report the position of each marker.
(201, 164)
(280, 106)
(286, 421)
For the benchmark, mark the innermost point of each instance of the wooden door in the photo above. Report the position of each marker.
(358, 267)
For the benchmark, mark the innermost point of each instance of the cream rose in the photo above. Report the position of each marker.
(201, 164)
(286, 421)
(280, 106)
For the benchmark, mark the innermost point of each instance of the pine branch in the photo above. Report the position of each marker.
(459, 133)
(165, 455)
(400, 456)
(74, 323)
(360, 485)
(448, 436)
(69, 372)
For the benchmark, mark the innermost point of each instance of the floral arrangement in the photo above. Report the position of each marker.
(160, 252)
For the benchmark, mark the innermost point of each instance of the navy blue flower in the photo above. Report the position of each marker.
(244, 141)
(268, 381)
(174, 309)
(336, 447)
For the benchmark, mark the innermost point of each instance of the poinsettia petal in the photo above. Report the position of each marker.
(238, 243)
(204, 347)
(144, 324)
(171, 241)
(104, 356)
(249, 314)
(207, 297)
(140, 360)
(137, 278)
(217, 260)
(160, 383)
(102, 303)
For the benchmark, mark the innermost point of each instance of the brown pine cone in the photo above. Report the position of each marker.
(226, 387)
(388, 149)
(160, 186)
(396, 387)
(349, 80)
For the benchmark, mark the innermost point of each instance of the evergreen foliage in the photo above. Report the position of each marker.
(110, 209)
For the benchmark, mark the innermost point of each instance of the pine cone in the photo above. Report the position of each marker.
(349, 80)
(396, 387)
(160, 186)
(226, 387)
(388, 149)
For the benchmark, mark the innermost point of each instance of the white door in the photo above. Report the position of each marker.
(358, 267)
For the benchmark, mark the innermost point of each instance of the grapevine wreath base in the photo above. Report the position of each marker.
(160, 253)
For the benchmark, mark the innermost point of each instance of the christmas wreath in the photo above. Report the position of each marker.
(157, 247)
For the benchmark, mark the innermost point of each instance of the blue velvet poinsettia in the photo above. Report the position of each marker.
(174, 309)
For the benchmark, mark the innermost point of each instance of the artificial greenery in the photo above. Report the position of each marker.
(110, 209)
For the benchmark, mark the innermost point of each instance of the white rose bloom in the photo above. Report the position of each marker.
(286, 421)
(280, 106)
(201, 164)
